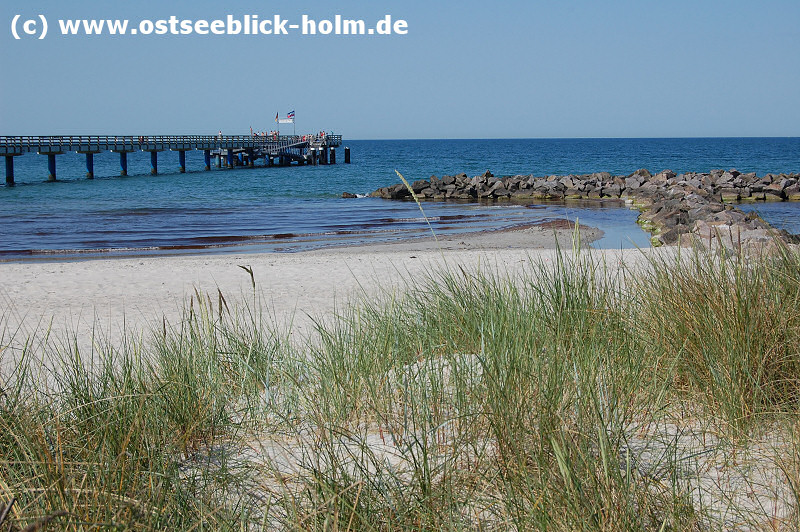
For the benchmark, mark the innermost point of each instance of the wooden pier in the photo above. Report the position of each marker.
(230, 151)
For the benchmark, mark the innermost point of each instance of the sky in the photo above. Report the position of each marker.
(465, 69)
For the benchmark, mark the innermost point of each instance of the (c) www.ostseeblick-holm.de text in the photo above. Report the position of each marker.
(254, 25)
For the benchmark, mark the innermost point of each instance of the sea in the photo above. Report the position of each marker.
(290, 209)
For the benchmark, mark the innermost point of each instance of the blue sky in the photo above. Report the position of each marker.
(466, 69)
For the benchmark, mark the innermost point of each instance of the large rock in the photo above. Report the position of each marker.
(792, 193)
(633, 182)
(774, 192)
(729, 195)
(663, 177)
(613, 190)
(420, 185)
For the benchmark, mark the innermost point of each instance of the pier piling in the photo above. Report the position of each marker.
(333, 156)
(207, 159)
(346, 155)
(123, 163)
(51, 166)
(230, 158)
(89, 165)
(182, 162)
(153, 162)
(10, 170)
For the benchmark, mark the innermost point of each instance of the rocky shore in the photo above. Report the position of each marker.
(677, 209)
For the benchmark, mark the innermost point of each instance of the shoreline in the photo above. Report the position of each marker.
(117, 296)
(467, 239)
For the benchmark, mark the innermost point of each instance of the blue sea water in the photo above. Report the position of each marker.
(782, 215)
(297, 208)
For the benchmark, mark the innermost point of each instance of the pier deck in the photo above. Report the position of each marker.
(303, 149)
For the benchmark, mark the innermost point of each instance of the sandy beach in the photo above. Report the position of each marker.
(76, 299)
(118, 294)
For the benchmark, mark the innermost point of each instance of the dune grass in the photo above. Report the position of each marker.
(730, 329)
(571, 397)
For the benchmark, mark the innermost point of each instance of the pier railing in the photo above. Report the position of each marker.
(17, 145)
(303, 149)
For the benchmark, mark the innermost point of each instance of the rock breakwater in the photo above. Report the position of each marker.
(677, 209)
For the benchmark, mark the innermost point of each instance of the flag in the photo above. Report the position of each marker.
(276, 117)
(290, 116)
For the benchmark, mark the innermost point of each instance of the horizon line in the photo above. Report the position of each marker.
(439, 138)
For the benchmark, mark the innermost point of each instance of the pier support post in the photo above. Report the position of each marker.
(182, 162)
(333, 156)
(230, 158)
(241, 159)
(123, 163)
(10, 170)
(89, 165)
(271, 161)
(207, 159)
(313, 157)
(51, 166)
(346, 155)
(219, 160)
(153, 163)
(251, 159)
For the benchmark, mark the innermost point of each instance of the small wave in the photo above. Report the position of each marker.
(85, 251)
(413, 220)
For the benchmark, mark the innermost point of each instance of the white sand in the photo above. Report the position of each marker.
(77, 296)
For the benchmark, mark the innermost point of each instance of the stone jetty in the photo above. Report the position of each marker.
(677, 209)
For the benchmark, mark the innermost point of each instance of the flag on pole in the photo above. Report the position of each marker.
(288, 120)
(276, 117)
